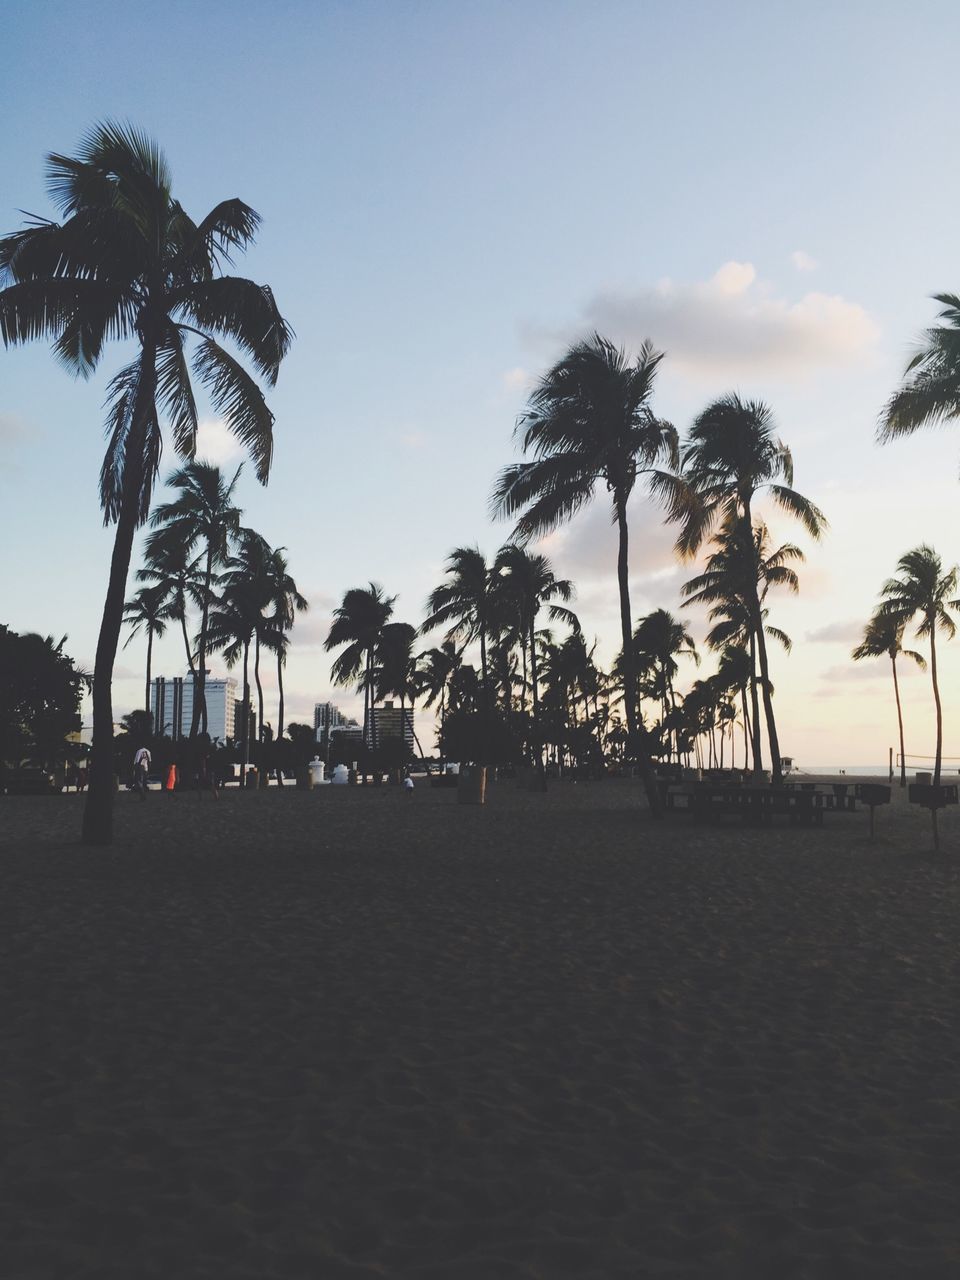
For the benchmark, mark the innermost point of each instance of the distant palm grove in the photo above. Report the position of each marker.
(498, 651)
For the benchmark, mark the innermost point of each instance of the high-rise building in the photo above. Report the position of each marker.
(326, 716)
(390, 721)
(171, 703)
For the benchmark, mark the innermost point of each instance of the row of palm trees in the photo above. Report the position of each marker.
(199, 556)
(127, 262)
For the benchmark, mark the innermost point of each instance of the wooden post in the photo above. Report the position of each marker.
(891, 768)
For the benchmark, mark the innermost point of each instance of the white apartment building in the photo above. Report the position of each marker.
(171, 701)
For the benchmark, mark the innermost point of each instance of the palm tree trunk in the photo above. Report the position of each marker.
(776, 772)
(747, 736)
(146, 704)
(896, 691)
(246, 714)
(637, 737)
(279, 713)
(256, 676)
(535, 703)
(755, 710)
(936, 698)
(186, 645)
(199, 718)
(98, 811)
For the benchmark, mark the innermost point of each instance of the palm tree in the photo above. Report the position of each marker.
(179, 578)
(202, 515)
(731, 456)
(232, 625)
(590, 421)
(930, 393)
(356, 629)
(436, 670)
(925, 588)
(128, 263)
(396, 670)
(658, 641)
(466, 601)
(528, 584)
(150, 611)
(738, 575)
(286, 602)
(249, 568)
(883, 638)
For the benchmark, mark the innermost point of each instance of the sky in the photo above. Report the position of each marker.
(450, 194)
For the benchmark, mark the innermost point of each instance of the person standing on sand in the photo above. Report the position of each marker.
(205, 774)
(171, 784)
(408, 786)
(141, 767)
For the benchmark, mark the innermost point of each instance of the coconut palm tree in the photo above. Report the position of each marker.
(883, 638)
(249, 568)
(180, 579)
(202, 515)
(465, 602)
(150, 612)
(658, 641)
(731, 457)
(286, 602)
(738, 575)
(356, 629)
(435, 671)
(590, 422)
(234, 619)
(128, 263)
(930, 393)
(528, 584)
(925, 589)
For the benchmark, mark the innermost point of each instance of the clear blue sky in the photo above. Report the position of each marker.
(450, 192)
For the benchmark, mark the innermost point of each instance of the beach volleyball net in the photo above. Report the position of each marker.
(924, 764)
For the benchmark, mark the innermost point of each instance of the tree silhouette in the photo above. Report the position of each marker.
(128, 263)
(590, 422)
(883, 638)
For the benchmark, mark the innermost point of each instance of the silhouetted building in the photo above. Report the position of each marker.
(390, 722)
(171, 703)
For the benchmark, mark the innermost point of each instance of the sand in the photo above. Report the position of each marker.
(348, 1033)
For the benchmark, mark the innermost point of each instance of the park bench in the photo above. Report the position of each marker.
(709, 802)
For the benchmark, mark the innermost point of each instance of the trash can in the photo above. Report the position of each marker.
(315, 772)
(472, 788)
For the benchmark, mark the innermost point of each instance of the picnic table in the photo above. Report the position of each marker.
(803, 804)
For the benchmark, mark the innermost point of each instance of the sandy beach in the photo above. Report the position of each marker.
(350, 1034)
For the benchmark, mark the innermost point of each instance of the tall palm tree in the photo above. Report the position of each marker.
(202, 515)
(249, 569)
(731, 456)
(286, 602)
(235, 616)
(128, 263)
(738, 575)
(883, 638)
(926, 589)
(356, 629)
(658, 641)
(435, 672)
(180, 579)
(465, 602)
(150, 612)
(590, 422)
(528, 583)
(930, 393)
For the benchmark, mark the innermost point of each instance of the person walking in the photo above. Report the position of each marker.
(171, 783)
(141, 768)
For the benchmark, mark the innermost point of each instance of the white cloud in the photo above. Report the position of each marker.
(12, 428)
(837, 633)
(515, 379)
(216, 444)
(802, 261)
(732, 324)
